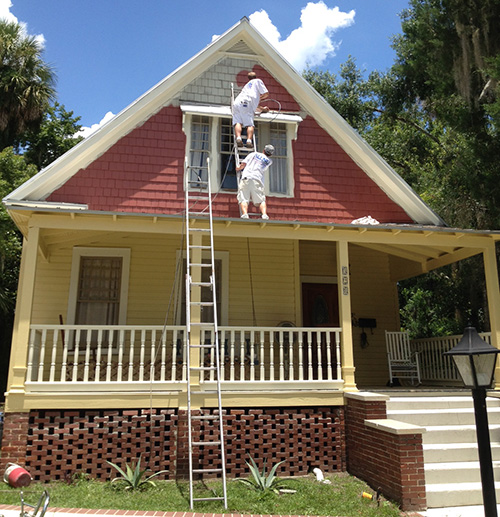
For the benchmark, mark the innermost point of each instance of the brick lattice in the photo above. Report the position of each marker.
(55, 445)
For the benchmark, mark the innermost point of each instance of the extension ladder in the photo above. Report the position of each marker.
(199, 242)
(243, 150)
(237, 150)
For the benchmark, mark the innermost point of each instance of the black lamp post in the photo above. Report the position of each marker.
(475, 360)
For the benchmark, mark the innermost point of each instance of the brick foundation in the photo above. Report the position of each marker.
(55, 445)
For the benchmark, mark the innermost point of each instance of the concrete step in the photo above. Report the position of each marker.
(445, 402)
(442, 416)
(456, 472)
(442, 495)
(456, 434)
(450, 452)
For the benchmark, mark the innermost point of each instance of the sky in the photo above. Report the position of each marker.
(107, 53)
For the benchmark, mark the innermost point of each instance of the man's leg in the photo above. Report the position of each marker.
(250, 130)
(244, 210)
(237, 132)
(263, 210)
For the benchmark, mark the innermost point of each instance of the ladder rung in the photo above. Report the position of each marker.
(200, 471)
(200, 247)
(216, 442)
(205, 417)
(208, 498)
(202, 284)
(201, 265)
(203, 368)
(201, 323)
(211, 345)
(203, 304)
(199, 229)
(198, 213)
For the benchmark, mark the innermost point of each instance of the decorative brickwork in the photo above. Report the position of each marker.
(58, 444)
(390, 461)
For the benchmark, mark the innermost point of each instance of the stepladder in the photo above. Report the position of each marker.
(205, 424)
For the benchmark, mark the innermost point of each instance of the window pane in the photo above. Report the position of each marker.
(278, 177)
(200, 147)
(98, 298)
(227, 176)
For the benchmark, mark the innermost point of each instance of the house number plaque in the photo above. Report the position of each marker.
(345, 281)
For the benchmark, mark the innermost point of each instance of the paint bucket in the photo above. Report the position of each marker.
(16, 476)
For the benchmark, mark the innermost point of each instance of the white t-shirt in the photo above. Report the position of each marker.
(250, 94)
(256, 165)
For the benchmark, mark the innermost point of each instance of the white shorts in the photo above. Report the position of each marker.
(249, 189)
(242, 114)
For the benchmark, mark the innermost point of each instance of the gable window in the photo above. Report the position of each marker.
(210, 135)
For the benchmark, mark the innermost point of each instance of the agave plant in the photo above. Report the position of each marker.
(133, 475)
(262, 481)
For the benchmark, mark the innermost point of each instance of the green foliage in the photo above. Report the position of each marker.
(261, 481)
(132, 477)
(55, 136)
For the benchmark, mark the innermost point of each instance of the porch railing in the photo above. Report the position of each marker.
(436, 368)
(117, 356)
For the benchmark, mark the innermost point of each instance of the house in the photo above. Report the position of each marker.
(98, 363)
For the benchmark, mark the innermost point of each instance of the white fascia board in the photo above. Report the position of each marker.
(34, 205)
(225, 112)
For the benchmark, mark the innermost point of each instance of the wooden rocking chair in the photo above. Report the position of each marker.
(403, 363)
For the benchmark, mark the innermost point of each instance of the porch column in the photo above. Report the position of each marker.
(493, 293)
(344, 290)
(22, 319)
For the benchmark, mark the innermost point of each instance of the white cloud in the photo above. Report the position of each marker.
(5, 14)
(87, 131)
(311, 43)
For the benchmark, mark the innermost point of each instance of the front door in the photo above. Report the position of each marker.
(320, 308)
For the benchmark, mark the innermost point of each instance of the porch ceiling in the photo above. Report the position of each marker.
(418, 248)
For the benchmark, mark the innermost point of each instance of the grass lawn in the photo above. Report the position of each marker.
(342, 497)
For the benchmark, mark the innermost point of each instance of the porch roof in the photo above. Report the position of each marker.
(417, 248)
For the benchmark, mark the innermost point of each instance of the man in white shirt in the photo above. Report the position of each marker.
(251, 185)
(245, 106)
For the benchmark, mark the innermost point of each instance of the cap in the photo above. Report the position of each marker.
(269, 149)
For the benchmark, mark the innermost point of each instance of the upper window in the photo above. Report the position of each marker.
(210, 148)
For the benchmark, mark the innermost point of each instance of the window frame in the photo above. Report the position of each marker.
(263, 128)
(180, 286)
(78, 253)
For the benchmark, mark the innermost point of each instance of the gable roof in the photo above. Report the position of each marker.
(242, 40)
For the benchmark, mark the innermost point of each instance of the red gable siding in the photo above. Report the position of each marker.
(142, 173)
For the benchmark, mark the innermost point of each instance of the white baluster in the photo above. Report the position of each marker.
(337, 354)
(328, 355)
(42, 356)
(88, 346)
(300, 336)
(76, 356)
(252, 355)
(52, 373)
(282, 357)
(130, 355)
(119, 369)
(109, 363)
(97, 373)
(271, 357)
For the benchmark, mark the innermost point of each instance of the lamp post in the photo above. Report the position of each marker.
(475, 360)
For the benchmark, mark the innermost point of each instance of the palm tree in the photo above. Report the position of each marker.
(26, 82)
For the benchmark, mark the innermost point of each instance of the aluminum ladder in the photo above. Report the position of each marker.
(239, 151)
(199, 242)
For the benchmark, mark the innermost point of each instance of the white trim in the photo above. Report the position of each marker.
(225, 112)
(13, 203)
(79, 252)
